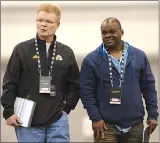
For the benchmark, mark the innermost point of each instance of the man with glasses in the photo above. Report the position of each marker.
(112, 79)
(34, 64)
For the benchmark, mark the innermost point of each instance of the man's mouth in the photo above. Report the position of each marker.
(43, 30)
(109, 41)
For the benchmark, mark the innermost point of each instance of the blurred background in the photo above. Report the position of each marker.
(80, 29)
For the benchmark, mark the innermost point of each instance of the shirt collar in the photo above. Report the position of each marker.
(43, 41)
(125, 48)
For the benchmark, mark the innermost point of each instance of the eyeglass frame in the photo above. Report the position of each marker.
(48, 22)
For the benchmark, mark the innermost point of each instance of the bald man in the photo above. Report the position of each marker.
(113, 79)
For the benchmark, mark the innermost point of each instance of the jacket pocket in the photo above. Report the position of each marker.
(135, 71)
(61, 106)
(56, 111)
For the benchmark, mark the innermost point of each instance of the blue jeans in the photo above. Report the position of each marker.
(56, 132)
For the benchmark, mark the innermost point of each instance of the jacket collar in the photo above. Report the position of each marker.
(130, 52)
(43, 41)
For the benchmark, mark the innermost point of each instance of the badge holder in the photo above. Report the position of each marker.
(115, 95)
(44, 84)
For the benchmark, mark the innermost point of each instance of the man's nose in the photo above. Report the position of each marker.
(44, 23)
(107, 35)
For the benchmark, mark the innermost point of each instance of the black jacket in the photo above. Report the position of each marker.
(22, 79)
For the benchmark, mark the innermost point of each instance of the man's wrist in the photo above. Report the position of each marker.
(8, 113)
(151, 118)
(95, 121)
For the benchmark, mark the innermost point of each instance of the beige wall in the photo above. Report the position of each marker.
(80, 29)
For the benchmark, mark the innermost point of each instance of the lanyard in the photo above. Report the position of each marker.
(53, 57)
(121, 68)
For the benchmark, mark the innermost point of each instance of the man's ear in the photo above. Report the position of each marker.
(58, 24)
(122, 32)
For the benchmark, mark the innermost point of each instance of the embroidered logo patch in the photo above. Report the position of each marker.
(58, 57)
(35, 57)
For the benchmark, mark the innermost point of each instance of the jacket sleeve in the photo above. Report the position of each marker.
(72, 85)
(88, 91)
(10, 84)
(147, 82)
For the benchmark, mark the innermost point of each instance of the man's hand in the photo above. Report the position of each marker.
(13, 121)
(98, 128)
(152, 125)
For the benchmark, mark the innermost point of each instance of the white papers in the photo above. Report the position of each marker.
(24, 109)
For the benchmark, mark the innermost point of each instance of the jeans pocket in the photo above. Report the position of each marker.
(64, 116)
(64, 112)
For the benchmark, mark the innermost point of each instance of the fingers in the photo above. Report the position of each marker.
(152, 124)
(102, 133)
(148, 122)
(95, 134)
(13, 121)
(105, 127)
(98, 133)
(18, 121)
(98, 128)
(150, 129)
(14, 124)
